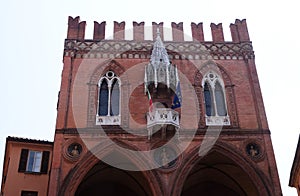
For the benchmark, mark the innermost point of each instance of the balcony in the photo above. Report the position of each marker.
(162, 116)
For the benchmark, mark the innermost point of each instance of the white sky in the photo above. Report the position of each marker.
(33, 34)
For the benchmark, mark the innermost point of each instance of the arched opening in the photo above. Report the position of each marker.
(109, 95)
(210, 111)
(103, 99)
(103, 179)
(220, 101)
(216, 174)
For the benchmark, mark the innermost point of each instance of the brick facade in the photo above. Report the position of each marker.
(85, 62)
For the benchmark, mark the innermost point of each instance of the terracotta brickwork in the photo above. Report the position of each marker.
(86, 61)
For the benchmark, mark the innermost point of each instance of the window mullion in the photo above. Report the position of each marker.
(214, 100)
(119, 98)
(98, 100)
(109, 97)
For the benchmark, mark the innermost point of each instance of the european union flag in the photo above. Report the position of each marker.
(177, 98)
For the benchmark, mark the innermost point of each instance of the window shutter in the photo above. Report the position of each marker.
(23, 160)
(45, 162)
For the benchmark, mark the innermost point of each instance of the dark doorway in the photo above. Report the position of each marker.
(104, 179)
(216, 174)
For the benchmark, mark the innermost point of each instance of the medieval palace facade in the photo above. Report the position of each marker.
(152, 117)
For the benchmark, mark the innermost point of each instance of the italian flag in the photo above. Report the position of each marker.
(150, 102)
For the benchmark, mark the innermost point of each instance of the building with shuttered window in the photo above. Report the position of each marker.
(26, 167)
(295, 170)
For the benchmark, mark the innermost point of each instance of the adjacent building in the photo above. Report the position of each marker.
(26, 167)
(295, 171)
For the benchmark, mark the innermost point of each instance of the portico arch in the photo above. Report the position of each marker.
(147, 182)
(222, 170)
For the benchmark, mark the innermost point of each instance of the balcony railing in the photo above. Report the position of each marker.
(162, 116)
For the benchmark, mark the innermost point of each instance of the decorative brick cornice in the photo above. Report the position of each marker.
(115, 129)
(142, 50)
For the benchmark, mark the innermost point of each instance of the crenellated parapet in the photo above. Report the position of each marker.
(76, 29)
(239, 31)
(160, 27)
(197, 32)
(217, 33)
(177, 31)
(239, 47)
(138, 31)
(119, 30)
(99, 30)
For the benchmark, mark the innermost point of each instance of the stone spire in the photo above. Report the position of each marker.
(159, 52)
(160, 70)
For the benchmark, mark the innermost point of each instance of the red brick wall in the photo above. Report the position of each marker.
(240, 75)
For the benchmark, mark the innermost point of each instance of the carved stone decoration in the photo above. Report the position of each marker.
(72, 150)
(163, 116)
(211, 78)
(125, 48)
(165, 157)
(173, 77)
(254, 150)
(160, 69)
(118, 69)
(229, 92)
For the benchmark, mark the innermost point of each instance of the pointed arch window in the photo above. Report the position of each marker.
(209, 108)
(108, 112)
(103, 98)
(215, 100)
(220, 100)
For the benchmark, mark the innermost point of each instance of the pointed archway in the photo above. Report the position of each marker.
(103, 179)
(217, 174)
(92, 175)
(223, 171)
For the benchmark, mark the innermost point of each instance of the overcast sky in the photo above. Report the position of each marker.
(33, 34)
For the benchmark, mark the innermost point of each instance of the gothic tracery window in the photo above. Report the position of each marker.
(109, 99)
(215, 100)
